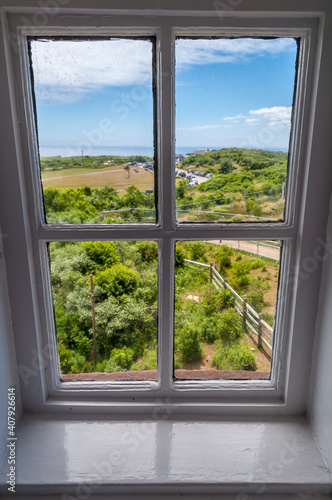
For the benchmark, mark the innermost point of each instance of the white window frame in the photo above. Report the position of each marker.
(44, 391)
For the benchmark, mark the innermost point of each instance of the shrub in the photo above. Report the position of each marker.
(234, 357)
(257, 263)
(197, 250)
(102, 253)
(147, 362)
(148, 250)
(180, 255)
(70, 361)
(117, 280)
(229, 326)
(241, 268)
(214, 302)
(100, 366)
(208, 330)
(256, 299)
(120, 359)
(212, 216)
(188, 344)
(224, 261)
(84, 344)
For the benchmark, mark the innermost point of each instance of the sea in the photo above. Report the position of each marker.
(120, 151)
(107, 151)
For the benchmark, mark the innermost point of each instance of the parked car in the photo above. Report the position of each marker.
(193, 183)
(208, 176)
(197, 173)
(191, 171)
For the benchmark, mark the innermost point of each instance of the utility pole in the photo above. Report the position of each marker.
(94, 350)
(82, 159)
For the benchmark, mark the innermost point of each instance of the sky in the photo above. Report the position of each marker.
(94, 95)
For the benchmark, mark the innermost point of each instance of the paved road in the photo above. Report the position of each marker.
(198, 177)
(263, 250)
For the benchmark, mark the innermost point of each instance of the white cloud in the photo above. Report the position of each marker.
(275, 117)
(235, 118)
(198, 52)
(68, 70)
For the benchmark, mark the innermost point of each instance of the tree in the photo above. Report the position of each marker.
(127, 167)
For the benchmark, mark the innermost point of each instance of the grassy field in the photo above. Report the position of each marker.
(114, 176)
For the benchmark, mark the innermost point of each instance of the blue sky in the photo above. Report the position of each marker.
(98, 94)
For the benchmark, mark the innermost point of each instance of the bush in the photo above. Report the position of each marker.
(214, 302)
(148, 250)
(224, 260)
(117, 280)
(147, 362)
(212, 216)
(257, 263)
(180, 255)
(209, 331)
(84, 345)
(229, 326)
(102, 253)
(197, 250)
(120, 359)
(234, 357)
(188, 344)
(71, 361)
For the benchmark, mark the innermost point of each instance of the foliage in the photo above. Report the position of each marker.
(188, 344)
(197, 251)
(103, 253)
(117, 280)
(180, 255)
(126, 272)
(147, 362)
(120, 359)
(236, 356)
(148, 250)
(229, 326)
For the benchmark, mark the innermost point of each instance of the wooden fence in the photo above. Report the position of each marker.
(251, 319)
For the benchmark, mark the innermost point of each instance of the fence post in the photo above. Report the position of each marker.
(225, 283)
(259, 343)
(211, 272)
(244, 314)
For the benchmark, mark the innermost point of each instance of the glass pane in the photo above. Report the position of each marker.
(225, 303)
(94, 105)
(233, 116)
(105, 304)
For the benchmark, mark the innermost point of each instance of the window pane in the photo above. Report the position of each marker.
(107, 291)
(94, 105)
(233, 116)
(225, 303)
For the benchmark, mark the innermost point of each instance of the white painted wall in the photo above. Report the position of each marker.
(8, 372)
(320, 400)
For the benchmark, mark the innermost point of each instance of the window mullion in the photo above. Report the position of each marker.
(165, 120)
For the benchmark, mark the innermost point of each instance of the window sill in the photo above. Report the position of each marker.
(56, 455)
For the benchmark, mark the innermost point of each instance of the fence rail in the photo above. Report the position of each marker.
(251, 319)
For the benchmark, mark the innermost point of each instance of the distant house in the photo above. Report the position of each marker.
(179, 158)
(200, 151)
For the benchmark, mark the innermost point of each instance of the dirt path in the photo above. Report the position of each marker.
(263, 250)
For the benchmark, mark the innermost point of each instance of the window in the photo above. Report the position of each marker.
(168, 230)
